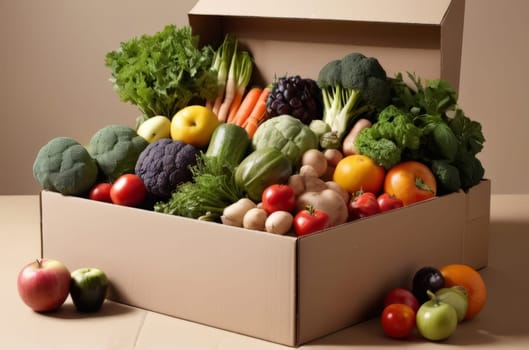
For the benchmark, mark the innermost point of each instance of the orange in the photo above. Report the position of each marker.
(467, 277)
(358, 172)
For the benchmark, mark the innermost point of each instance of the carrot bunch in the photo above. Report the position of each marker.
(234, 70)
(252, 110)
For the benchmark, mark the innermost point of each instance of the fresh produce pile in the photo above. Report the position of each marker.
(293, 157)
(439, 299)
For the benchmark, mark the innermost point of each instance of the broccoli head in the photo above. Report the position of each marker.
(165, 164)
(65, 166)
(387, 139)
(353, 86)
(116, 149)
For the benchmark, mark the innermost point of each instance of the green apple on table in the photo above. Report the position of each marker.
(436, 320)
(457, 297)
(88, 289)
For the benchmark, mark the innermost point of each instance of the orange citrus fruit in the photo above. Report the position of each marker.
(467, 277)
(358, 172)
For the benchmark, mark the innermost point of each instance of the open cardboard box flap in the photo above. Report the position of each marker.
(424, 37)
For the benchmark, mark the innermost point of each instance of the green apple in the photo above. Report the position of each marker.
(155, 128)
(457, 297)
(435, 319)
(88, 289)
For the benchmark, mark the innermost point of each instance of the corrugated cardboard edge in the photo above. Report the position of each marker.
(452, 42)
(477, 230)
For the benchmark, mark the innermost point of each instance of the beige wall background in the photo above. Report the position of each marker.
(53, 81)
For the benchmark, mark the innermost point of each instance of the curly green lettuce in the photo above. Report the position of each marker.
(163, 72)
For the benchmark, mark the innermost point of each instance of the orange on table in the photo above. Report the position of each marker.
(359, 172)
(469, 278)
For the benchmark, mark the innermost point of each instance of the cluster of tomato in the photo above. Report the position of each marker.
(127, 190)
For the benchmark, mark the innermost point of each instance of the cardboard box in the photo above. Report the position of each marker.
(281, 288)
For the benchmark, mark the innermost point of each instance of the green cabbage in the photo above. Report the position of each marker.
(287, 134)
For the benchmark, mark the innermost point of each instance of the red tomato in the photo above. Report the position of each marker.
(401, 296)
(278, 197)
(128, 190)
(362, 205)
(398, 320)
(411, 182)
(101, 192)
(388, 201)
(310, 220)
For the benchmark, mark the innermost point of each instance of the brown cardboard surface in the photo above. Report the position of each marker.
(276, 288)
(409, 36)
(230, 278)
(477, 231)
(363, 260)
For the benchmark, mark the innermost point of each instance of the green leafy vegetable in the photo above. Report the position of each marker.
(162, 73)
(450, 140)
(212, 189)
(386, 140)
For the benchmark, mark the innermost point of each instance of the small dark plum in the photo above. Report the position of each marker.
(426, 278)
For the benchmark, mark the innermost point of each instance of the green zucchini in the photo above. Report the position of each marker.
(261, 168)
(230, 143)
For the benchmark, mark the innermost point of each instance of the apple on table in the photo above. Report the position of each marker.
(44, 284)
(88, 289)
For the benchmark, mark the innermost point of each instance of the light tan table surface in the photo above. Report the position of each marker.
(504, 323)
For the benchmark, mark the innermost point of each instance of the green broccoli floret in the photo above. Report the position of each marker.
(353, 86)
(116, 149)
(63, 165)
(387, 139)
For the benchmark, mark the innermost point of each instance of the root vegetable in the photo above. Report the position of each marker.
(308, 170)
(314, 184)
(316, 159)
(328, 201)
(234, 213)
(254, 219)
(333, 156)
(297, 183)
(279, 222)
(348, 144)
(338, 189)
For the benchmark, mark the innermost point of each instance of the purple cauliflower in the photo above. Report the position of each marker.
(164, 164)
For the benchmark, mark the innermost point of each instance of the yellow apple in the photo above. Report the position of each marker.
(194, 125)
(155, 128)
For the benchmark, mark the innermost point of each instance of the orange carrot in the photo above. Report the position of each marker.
(258, 113)
(246, 106)
(235, 105)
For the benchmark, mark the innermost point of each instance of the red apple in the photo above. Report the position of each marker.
(44, 284)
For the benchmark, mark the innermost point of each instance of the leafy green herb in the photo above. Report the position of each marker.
(162, 73)
(213, 188)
